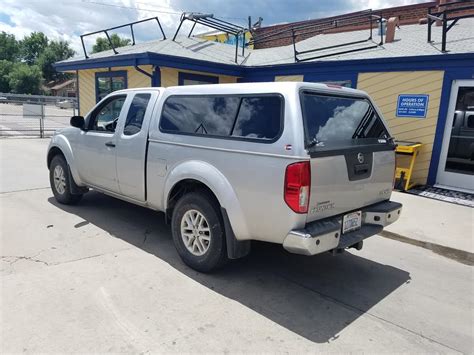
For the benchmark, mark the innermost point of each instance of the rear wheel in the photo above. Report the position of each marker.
(59, 179)
(198, 232)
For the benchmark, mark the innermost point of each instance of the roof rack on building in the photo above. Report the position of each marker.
(210, 21)
(130, 24)
(444, 17)
(302, 31)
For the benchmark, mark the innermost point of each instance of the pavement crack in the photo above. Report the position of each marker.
(145, 237)
(18, 258)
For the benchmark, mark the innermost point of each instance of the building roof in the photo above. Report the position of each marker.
(410, 41)
(63, 84)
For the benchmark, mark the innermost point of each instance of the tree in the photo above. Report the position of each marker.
(5, 69)
(33, 46)
(25, 79)
(102, 44)
(54, 52)
(9, 47)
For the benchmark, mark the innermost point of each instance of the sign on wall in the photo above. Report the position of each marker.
(409, 105)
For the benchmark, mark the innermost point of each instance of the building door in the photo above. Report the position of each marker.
(456, 165)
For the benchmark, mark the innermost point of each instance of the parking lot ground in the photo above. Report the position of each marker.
(103, 276)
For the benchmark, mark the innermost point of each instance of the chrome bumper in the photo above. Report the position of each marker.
(320, 236)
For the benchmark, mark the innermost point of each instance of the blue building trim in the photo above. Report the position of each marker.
(156, 78)
(449, 76)
(109, 74)
(78, 96)
(148, 58)
(190, 76)
(425, 62)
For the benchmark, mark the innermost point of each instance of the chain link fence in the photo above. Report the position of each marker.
(34, 115)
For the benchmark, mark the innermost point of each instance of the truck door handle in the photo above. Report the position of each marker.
(110, 144)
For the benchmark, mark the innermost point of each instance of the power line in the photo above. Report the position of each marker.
(131, 7)
(150, 10)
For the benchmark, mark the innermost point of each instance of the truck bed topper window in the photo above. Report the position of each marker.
(250, 117)
(340, 121)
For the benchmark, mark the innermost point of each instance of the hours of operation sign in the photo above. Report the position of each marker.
(412, 105)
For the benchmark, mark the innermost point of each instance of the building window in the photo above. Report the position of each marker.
(107, 82)
(196, 79)
(348, 80)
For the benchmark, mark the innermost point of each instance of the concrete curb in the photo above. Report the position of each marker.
(461, 256)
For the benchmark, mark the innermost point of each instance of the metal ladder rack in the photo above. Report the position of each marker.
(444, 17)
(209, 20)
(304, 30)
(130, 24)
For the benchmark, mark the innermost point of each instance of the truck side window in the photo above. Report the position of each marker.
(259, 117)
(136, 113)
(249, 116)
(210, 115)
(470, 121)
(105, 117)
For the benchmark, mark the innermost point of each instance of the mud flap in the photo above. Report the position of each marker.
(75, 190)
(235, 248)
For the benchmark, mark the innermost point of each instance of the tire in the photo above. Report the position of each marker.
(59, 179)
(205, 251)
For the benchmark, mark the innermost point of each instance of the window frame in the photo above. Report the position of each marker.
(209, 79)
(128, 110)
(100, 107)
(109, 74)
(229, 137)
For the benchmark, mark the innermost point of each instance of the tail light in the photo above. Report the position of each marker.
(298, 186)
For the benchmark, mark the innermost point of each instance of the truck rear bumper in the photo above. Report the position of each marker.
(324, 235)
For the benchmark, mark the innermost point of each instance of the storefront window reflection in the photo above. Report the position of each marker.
(461, 144)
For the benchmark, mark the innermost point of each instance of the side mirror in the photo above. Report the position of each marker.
(78, 121)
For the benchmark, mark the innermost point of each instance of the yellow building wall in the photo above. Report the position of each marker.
(384, 89)
(86, 78)
(289, 78)
(135, 79)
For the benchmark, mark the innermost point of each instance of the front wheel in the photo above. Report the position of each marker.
(59, 179)
(198, 232)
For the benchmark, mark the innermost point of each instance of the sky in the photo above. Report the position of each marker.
(67, 19)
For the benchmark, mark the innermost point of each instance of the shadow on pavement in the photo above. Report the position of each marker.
(315, 297)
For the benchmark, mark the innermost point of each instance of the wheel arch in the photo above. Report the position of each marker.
(60, 145)
(199, 174)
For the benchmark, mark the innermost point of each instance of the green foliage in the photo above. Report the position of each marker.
(9, 47)
(32, 46)
(26, 64)
(56, 51)
(25, 79)
(5, 69)
(102, 44)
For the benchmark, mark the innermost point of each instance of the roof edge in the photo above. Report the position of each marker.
(427, 62)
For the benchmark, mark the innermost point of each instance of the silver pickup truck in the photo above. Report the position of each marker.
(308, 166)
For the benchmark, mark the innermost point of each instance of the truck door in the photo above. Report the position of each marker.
(95, 147)
(132, 144)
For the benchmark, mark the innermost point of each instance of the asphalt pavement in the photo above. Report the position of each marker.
(103, 276)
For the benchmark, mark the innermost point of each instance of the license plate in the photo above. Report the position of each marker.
(351, 222)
